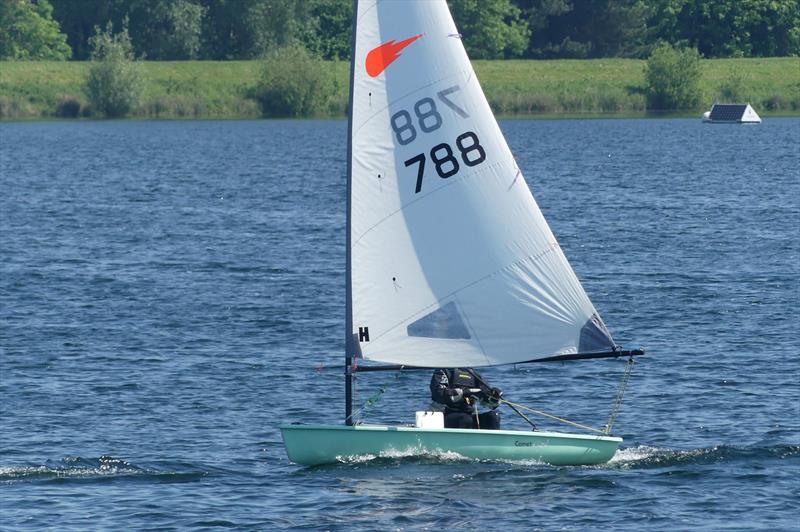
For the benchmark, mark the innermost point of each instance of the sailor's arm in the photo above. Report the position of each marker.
(441, 392)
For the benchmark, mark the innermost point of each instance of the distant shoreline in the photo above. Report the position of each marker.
(597, 88)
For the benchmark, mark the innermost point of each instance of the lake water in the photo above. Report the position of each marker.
(172, 291)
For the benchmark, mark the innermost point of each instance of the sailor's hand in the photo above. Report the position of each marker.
(493, 398)
(456, 395)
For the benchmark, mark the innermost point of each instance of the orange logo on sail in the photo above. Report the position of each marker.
(378, 59)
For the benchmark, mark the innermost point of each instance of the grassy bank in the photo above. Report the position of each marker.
(617, 85)
(208, 89)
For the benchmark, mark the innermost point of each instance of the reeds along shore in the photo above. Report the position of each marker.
(209, 89)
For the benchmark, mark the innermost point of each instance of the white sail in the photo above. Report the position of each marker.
(452, 262)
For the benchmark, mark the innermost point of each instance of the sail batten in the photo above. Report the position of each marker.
(451, 261)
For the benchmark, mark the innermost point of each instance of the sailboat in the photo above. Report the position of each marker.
(450, 262)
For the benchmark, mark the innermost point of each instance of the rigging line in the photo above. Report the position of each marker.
(551, 416)
(512, 407)
(523, 416)
(623, 385)
(376, 397)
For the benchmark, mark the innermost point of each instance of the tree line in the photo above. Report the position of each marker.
(491, 29)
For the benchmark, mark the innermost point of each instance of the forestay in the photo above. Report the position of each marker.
(452, 263)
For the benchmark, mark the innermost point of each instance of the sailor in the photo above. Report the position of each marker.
(457, 391)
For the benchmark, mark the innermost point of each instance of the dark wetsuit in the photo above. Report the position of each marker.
(457, 390)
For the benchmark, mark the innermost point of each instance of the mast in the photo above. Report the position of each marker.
(349, 347)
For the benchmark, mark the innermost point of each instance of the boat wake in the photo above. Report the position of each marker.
(640, 457)
(645, 457)
(75, 467)
(415, 454)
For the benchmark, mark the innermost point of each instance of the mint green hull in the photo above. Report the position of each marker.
(328, 444)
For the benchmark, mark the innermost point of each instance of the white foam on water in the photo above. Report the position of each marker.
(662, 456)
(74, 467)
(13, 471)
(636, 454)
(356, 458)
(398, 454)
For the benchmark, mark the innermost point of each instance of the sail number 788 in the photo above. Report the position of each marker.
(472, 154)
(442, 155)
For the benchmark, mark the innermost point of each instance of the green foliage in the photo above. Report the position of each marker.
(159, 29)
(115, 80)
(246, 29)
(165, 29)
(672, 78)
(15, 108)
(734, 89)
(294, 83)
(28, 31)
(68, 107)
(730, 28)
(78, 21)
(491, 29)
(602, 28)
(224, 89)
(328, 33)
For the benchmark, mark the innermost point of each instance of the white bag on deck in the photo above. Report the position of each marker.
(430, 420)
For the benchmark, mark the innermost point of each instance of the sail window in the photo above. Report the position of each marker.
(594, 336)
(445, 322)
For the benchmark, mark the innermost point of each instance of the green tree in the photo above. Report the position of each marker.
(673, 78)
(115, 80)
(78, 19)
(246, 29)
(540, 15)
(294, 83)
(491, 29)
(775, 31)
(329, 29)
(730, 28)
(601, 28)
(165, 29)
(28, 31)
(159, 29)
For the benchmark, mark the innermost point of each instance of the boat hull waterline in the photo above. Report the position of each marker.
(329, 444)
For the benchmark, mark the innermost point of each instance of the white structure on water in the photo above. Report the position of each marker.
(731, 113)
